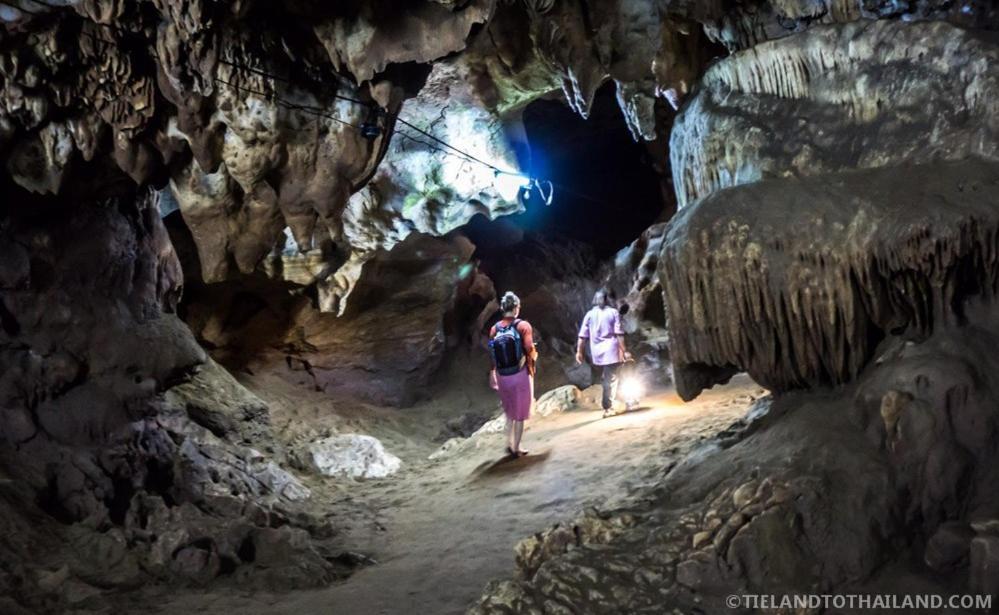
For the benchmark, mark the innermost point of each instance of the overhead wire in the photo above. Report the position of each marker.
(443, 148)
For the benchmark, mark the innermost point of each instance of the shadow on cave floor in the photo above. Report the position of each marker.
(440, 530)
(508, 466)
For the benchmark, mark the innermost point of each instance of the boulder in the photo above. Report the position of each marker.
(556, 401)
(949, 546)
(353, 456)
(553, 402)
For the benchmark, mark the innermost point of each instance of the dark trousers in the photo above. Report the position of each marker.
(609, 381)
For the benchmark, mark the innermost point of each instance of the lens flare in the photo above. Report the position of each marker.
(631, 390)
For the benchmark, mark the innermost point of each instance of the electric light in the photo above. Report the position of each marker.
(509, 185)
(631, 390)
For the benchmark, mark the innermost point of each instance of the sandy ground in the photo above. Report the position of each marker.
(440, 530)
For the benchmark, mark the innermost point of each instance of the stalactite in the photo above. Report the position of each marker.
(858, 115)
(801, 296)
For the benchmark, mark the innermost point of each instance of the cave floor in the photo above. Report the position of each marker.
(440, 530)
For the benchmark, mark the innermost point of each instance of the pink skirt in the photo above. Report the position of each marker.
(517, 394)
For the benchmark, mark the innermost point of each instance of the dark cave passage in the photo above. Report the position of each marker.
(606, 189)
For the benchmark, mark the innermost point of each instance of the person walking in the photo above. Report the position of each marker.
(511, 342)
(602, 329)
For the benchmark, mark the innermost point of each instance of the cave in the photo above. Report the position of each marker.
(499, 306)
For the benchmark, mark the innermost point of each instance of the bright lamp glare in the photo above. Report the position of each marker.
(508, 185)
(632, 389)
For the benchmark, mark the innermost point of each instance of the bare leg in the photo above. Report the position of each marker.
(518, 434)
(509, 435)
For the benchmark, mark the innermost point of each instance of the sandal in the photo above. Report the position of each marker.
(521, 453)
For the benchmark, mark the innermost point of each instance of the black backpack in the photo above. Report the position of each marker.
(508, 349)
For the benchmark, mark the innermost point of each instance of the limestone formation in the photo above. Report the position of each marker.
(138, 459)
(384, 347)
(353, 456)
(321, 167)
(859, 95)
(802, 296)
(648, 52)
(257, 133)
(635, 278)
(740, 25)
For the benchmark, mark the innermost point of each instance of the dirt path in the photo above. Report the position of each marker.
(445, 528)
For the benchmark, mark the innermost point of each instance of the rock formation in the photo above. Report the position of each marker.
(318, 166)
(802, 296)
(873, 252)
(861, 95)
(384, 348)
(131, 465)
(835, 241)
(257, 132)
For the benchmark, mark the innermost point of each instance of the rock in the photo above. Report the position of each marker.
(353, 456)
(217, 402)
(893, 404)
(496, 425)
(534, 551)
(985, 525)
(384, 348)
(51, 580)
(128, 414)
(744, 494)
(948, 547)
(984, 565)
(286, 558)
(197, 563)
(819, 72)
(591, 528)
(212, 111)
(556, 401)
(462, 426)
(745, 26)
(700, 539)
(447, 449)
(812, 289)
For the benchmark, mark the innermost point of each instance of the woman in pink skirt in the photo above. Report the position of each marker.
(512, 343)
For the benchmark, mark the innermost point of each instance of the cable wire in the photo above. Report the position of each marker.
(445, 148)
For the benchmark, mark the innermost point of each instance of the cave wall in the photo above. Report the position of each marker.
(865, 94)
(835, 176)
(256, 129)
(138, 459)
(801, 297)
(849, 229)
(413, 303)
